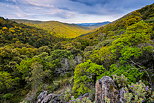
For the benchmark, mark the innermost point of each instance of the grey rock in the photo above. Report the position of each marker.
(86, 95)
(47, 98)
(78, 59)
(41, 96)
(121, 94)
(106, 91)
(50, 98)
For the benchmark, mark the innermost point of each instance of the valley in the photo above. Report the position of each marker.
(51, 61)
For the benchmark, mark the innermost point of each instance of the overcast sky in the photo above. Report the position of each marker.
(70, 11)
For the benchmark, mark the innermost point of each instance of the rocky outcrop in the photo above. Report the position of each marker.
(121, 95)
(106, 91)
(50, 98)
(41, 96)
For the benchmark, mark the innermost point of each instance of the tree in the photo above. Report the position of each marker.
(7, 81)
(85, 77)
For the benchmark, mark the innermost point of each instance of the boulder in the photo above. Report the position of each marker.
(121, 95)
(48, 98)
(41, 96)
(106, 90)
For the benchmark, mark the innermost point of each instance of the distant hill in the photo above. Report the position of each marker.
(12, 32)
(56, 28)
(27, 21)
(93, 24)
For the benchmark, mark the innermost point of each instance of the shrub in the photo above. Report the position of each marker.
(85, 77)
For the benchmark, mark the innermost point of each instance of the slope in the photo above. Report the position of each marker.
(12, 32)
(122, 49)
(118, 27)
(58, 29)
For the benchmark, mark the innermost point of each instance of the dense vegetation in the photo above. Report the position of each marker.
(58, 29)
(32, 60)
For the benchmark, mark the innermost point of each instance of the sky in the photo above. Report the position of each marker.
(69, 11)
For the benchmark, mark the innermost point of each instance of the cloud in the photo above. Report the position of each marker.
(91, 2)
(69, 10)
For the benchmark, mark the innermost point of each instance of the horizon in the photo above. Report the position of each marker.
(56, 21)
(69, 11)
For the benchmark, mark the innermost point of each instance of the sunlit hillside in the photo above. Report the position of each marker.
(58, 29)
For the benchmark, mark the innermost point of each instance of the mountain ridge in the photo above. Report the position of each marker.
(56, 28)
(96, 25)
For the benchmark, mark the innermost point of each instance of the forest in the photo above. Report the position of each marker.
(36, 57)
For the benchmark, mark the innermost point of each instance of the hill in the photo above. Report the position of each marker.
(12, 32)
(57, 29)
(32, 60)
(121, 49)
(26, 21)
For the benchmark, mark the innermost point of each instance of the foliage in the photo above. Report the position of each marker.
(83, 100)
(6, 81)
(84, 77)
(11, 32)
(67, 95)
(131, 72)
(129, 52)
(58, 29)
(135, 92)
(102, 56)
(33, 59)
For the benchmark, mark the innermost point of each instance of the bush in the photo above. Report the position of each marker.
(85, 77)
(83, 100)
(135, 92)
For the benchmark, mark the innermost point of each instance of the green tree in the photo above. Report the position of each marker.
(7, 81)
(85, 77)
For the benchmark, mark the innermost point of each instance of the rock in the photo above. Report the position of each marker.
(106, 91)
(47, 98)
(86, 95)
(64, 68)
(78, 59)
(41, 96)
(50, 98)
(121, 94)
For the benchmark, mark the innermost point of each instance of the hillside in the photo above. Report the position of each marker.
(122, 49)
(57, 29)
(27, 21)
(36, 66)
(12, 32)
(145, 14)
